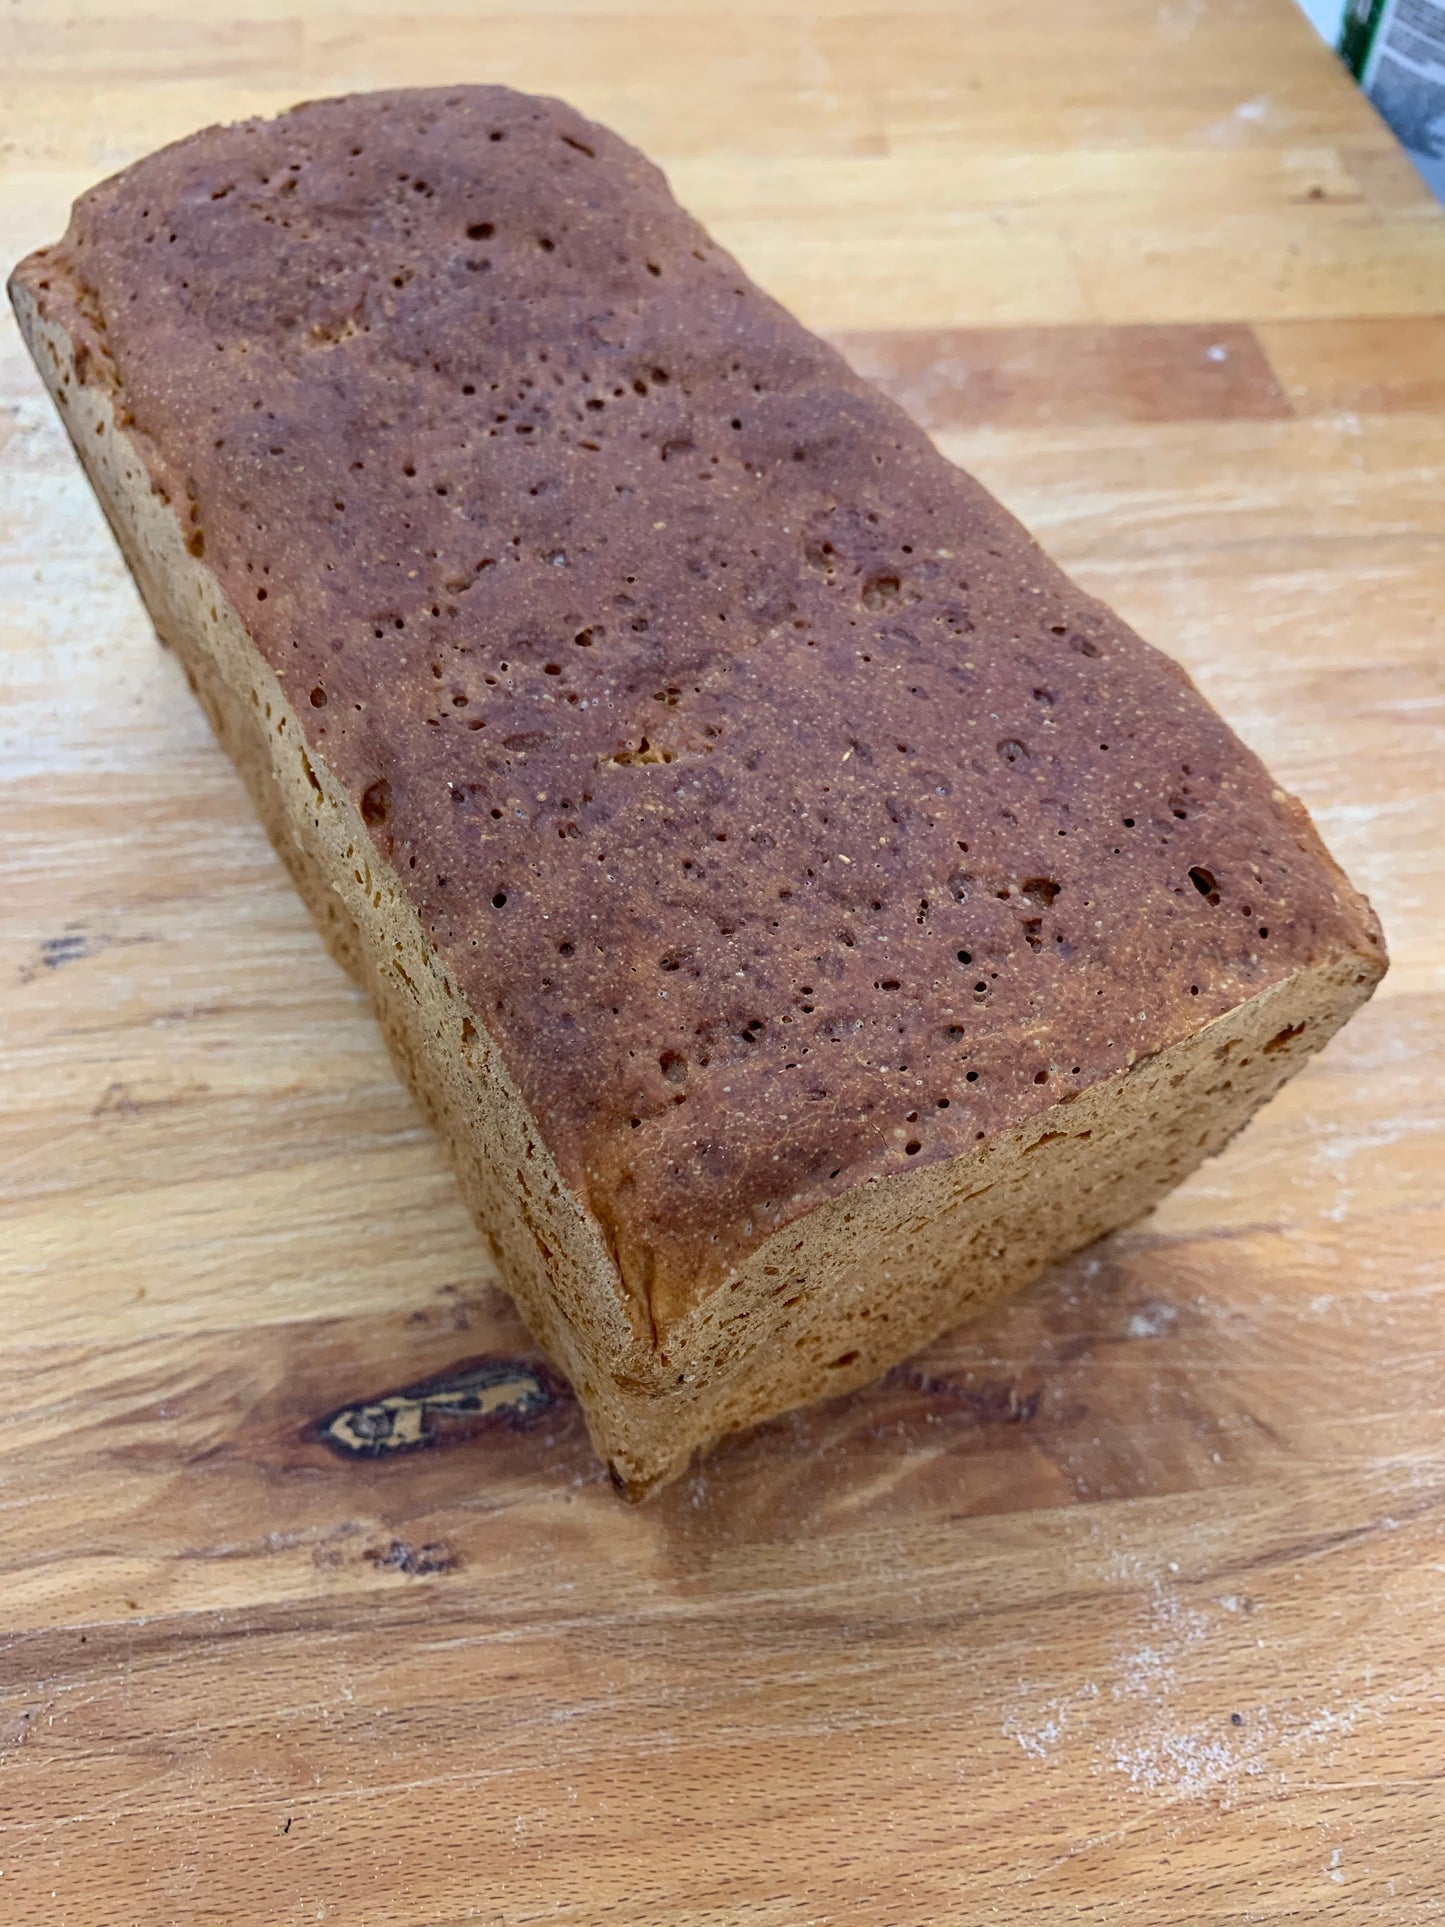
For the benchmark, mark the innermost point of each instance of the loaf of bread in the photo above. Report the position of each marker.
(802, 911)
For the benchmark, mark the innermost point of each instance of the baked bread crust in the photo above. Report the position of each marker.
(803, 912)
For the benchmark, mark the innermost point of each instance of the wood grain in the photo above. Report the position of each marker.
(1125, 1605)
(956, 378)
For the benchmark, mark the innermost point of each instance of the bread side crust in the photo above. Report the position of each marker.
(828, 1302)
(551, 1252)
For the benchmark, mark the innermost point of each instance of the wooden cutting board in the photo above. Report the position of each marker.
(1127, 1605)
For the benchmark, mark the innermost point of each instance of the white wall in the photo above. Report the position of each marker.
(1326, 15)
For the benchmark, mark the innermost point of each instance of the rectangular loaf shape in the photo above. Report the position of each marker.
(801, 910)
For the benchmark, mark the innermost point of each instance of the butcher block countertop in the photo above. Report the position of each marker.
(1124, 1605)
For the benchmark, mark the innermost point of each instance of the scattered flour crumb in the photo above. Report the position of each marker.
(1153, 1320)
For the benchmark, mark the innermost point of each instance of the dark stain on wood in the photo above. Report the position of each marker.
(991, 1402)
(72, 945)
(473, 1395)
(69, 947)
(416, 1562)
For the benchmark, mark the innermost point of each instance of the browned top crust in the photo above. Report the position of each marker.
(785, 814)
